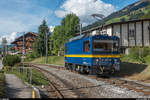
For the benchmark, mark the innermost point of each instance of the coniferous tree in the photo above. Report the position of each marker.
(40, 43)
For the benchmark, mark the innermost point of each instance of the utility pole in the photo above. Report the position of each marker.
(80, 28)
(23, 50)
(46, 47)
(4, 47)
(51, 47)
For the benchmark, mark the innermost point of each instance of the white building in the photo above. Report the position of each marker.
(131, 33)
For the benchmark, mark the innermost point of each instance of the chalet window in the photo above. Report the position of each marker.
(86, 46)
(131, 33)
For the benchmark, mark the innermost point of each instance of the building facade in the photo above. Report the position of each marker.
(29, 39)
(131, 33)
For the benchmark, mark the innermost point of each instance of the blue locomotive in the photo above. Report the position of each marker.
(98, 54)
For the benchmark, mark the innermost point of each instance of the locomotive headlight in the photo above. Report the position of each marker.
(97, 60)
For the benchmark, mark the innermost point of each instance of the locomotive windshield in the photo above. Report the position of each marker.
(107, 46)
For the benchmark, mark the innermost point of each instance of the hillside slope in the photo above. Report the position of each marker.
(138, 10)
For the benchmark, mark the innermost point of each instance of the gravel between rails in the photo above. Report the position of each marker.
(94, 88)
(66, 89)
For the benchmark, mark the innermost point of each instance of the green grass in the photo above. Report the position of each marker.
(58, 60)
(37, 77)
(129, 58)
(147, 59)
(2, 85)
(118, 19)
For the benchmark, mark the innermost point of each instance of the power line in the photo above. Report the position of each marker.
(58, 5)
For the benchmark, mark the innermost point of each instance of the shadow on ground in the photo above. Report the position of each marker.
(129, 69)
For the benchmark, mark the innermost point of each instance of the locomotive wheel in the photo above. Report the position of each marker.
(74, 67)
(78, 69)
(101, 70)
(67, 66)
(87, 70)
(71, 67)
(81, 69)
(112, 71)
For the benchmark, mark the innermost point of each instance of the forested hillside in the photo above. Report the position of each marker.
(138, 10)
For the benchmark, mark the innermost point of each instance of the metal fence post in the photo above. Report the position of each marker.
(26, 72)
(30, 75)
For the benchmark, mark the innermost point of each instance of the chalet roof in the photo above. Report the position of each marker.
(99, 27)
(20, 38)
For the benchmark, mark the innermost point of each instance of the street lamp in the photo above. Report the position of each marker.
(46, 47)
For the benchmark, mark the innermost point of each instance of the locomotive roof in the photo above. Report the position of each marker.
(105, 37)
(95, 36)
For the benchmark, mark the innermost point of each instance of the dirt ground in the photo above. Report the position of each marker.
(135, 71)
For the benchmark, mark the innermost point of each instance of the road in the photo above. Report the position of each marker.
(1, 65)
(16, 88)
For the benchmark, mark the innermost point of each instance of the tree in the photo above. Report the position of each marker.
(70, 25)
(147, 15)
(58, 39)
(40, 43)
(61, 34)
(122, 19)
(11, 60)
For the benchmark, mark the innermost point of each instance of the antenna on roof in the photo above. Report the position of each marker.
(80, 28)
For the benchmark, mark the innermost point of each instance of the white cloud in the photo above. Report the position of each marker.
(51, 28)
(60, 13)
(10, 38)
(20, 16)
(84, 9)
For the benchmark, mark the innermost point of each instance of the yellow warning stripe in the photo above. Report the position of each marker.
(94, 56)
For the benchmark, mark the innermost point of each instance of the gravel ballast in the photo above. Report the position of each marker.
(93, 88)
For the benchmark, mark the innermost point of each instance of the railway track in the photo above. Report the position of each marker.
(52, 88)
(113, 81)
(56, 90)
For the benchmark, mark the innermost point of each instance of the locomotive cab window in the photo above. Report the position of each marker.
(105, 46)
(86, 46)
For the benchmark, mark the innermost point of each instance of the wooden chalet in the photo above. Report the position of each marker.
(29, 39)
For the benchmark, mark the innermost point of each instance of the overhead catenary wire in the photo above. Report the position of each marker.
(58, 5)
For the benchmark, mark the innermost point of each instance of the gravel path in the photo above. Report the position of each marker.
(16, 88)
(94, 88)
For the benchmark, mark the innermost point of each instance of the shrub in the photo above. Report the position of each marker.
(11, 60)
(31, 56)
(147, 59)
(139, 54)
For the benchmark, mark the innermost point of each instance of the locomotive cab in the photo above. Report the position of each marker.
(106, 53)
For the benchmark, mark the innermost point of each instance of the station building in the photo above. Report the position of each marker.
(132, 33)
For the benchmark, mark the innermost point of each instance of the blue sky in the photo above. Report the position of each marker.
(27, 15)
